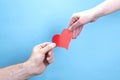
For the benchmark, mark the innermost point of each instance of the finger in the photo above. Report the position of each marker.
(73, 20)
(75, 25)
(50, 57)
(43, 44)
(74, 33)
(50, 53)
(79, 30)
(48, 47)
(50, 60)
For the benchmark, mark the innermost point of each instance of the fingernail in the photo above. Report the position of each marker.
(69, 28)
(53, 45)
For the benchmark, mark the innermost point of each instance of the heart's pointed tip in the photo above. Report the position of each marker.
(67, 49)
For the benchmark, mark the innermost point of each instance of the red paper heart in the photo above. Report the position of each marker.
(62, 40)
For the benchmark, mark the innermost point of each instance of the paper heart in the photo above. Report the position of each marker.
(63, 39)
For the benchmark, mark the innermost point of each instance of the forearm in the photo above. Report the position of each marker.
(106, 7)
(16, 72)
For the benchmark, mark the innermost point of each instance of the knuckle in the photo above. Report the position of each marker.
(49, 47)
(80, 22)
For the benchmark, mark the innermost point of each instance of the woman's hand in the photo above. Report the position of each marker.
(78, 20)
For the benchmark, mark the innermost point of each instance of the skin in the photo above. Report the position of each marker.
(40, 58)
(78, 20)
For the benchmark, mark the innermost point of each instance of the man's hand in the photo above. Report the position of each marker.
(41, 57)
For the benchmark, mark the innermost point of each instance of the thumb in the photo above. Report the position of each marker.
(49, 47)
(74, 25)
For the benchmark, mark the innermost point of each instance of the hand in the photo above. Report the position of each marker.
(79, 19)
(41, 57)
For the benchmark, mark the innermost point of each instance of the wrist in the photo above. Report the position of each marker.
(29, 67)
(97, 12)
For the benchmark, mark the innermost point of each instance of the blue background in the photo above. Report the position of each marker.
(94, 55)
